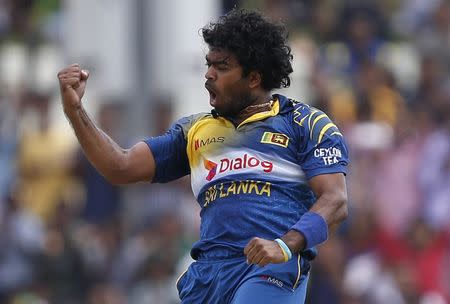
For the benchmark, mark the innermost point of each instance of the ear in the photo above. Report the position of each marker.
(255, 79)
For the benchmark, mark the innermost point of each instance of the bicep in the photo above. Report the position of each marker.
(330, 190)
(140, 164)
(328, 183)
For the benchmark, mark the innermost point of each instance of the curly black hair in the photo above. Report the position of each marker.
(258, 44)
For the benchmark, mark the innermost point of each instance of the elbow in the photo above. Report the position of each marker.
(336, 202)
(115, 180)
(341, 207)
(118, 174)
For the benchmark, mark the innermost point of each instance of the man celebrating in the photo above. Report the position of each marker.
(268, 172)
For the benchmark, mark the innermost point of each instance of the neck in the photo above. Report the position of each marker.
(262, 103)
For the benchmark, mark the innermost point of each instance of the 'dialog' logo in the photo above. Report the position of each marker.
(211, 167)
(236, 164)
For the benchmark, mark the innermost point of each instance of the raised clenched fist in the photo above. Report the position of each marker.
(72, 83)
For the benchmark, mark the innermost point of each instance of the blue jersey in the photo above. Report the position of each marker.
(250, 180)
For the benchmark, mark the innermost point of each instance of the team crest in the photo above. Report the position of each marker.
(275, 139)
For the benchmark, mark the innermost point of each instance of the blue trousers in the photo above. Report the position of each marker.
(233, 281)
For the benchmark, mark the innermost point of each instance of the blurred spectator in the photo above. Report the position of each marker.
(413, 14)
(105, 294)
(21, 239)
(160, 235)
(395, 177)
(361, 27)
(28, 20)
(20, 17)
(153, 284)
(377, 97)
(434, 36)
(60, 264)
(367, 281)
(326, 278)
(10, 110)
(419, 260)
(43, 161)
(432, 76)
(435, 170)
(98, 245)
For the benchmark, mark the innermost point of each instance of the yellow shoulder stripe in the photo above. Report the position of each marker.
(310, 116)
(314, 123)
(324, 129)
(336, 133)
(301, 121)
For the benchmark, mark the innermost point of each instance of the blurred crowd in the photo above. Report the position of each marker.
(380, 69)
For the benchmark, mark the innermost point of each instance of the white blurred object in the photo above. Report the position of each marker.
(47, 63)
(434, 178)
(360, 273)
(27, 231)
(13, 64)
(403, 61)
(371, 136)
(98, 35)
(364, 278)
(178, 52)
(337, 55)
(433, 298)
(304, 51)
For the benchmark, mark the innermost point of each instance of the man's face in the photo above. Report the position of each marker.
(229, 91)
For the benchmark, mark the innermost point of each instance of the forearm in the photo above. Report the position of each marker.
(103, 153)
(332, 207)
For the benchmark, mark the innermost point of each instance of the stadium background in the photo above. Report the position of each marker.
(379, 68)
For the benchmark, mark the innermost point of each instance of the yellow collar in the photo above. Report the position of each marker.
(263, 115)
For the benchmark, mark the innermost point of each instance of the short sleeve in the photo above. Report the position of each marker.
(323, 149)
(169, 151)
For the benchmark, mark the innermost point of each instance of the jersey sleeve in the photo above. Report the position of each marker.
(169, 151)
(323, 149)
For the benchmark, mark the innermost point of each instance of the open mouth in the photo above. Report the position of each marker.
(212, 94)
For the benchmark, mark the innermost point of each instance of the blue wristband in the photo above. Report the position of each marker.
(313, 227)
(285, 248)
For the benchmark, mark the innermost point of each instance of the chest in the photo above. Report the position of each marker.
(264, 138)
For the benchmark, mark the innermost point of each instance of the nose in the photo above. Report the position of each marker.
(210, 73)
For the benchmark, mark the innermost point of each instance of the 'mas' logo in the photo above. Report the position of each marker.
(211, 167)
(235, 164)
(198, 143)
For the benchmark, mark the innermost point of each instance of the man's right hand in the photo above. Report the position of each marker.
(72, 83)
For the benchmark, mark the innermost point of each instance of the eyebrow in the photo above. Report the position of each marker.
(217, 62)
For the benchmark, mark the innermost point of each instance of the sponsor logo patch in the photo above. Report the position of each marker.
(236, 164)
(329, 156)
(201, 142)
(211, 167)
(275, 139)
(272, 280)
